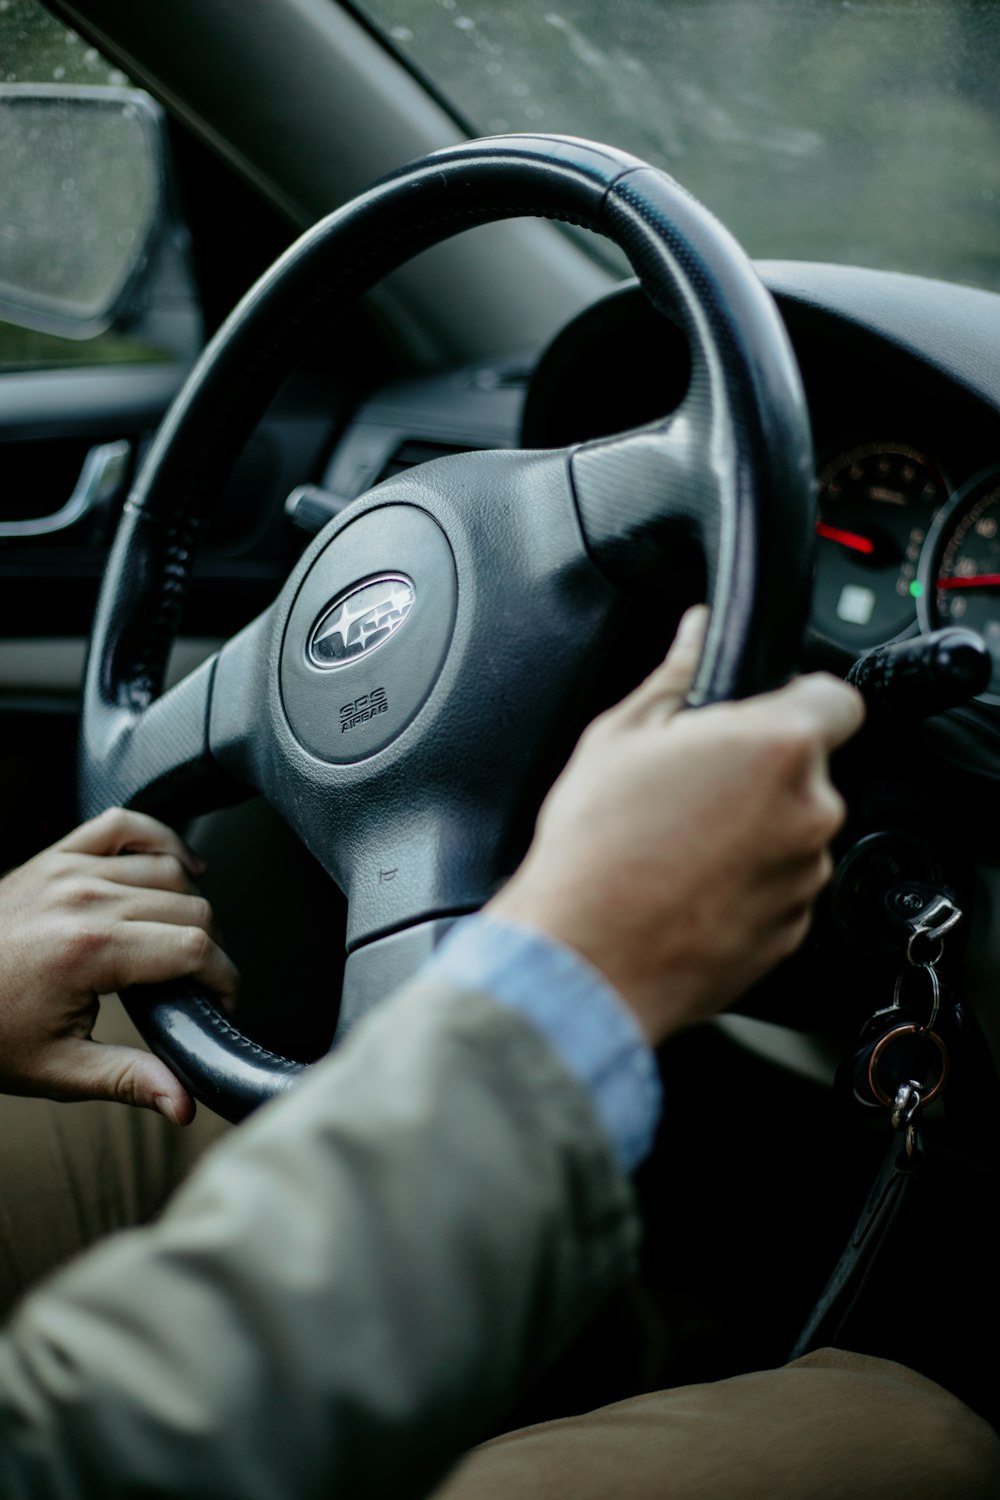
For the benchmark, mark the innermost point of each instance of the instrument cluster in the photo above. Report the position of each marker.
(900, 550)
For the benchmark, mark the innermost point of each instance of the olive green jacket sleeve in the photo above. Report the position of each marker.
(347, 1293)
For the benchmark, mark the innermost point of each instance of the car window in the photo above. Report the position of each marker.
(858, 131)
(83, 158)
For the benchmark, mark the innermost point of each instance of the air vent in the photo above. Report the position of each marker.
(415, 451)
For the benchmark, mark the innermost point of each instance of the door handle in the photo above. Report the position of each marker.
(103, 470)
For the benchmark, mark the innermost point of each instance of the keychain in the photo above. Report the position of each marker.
(902, 1063)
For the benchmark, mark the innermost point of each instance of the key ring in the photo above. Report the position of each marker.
(908, 1028)
(935, 983)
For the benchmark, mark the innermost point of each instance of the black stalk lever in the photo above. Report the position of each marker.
(925, 675)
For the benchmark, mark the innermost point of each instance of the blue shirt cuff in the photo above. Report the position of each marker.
(576, 1010)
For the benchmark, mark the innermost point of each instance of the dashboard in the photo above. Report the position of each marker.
(904, 395)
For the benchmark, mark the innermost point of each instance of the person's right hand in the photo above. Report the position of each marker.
(680, 853)
(110, 905)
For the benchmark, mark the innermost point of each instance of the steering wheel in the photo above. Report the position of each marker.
(402, 701)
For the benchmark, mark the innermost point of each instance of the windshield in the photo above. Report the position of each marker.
(857, 131)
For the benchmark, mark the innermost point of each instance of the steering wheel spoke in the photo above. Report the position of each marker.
(156, 758)
(378, 968)
(638, 492)
(238, 701)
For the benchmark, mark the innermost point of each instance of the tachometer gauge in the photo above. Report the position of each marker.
(876, 506)
(959, 574)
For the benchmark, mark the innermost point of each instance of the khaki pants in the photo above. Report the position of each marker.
(72, 1173)
(833, 1426)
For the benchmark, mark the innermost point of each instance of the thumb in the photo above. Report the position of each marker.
(666, 687)
(83, 1069)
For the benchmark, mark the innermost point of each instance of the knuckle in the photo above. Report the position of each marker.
(795, 743)
(115, 822)
(202, 915)
(125, 1083)
(174, 874)
(815, 874)
(827, 812)
(56, 870)
(836, 810)
(80, 894)
(600, 727)
(767, 763)
(83, 945)
(794, 931)
(779, 748)
(197, 945)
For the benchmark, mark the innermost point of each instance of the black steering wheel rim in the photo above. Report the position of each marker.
(738, 456)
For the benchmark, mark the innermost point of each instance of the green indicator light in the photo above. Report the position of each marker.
(916, 589)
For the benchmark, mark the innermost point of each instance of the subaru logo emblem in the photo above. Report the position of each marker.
(361, 620)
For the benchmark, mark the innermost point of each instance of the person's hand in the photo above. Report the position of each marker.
(110, 905)
(680, 853)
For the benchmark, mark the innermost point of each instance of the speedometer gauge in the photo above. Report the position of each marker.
(960, 571)
(876, 505)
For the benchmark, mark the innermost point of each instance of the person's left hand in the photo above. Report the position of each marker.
(110, 905)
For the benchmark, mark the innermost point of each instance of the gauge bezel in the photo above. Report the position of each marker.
(933, 551)
(857, 443)
(853, 446)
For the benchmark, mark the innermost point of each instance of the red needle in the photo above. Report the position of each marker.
(846, 538)
(974, 581)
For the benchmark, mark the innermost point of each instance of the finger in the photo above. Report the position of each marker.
(79, 1068)
(159, 872)
(789, 934)
(830, 710)
(171, 907)
(778, 938)
(794, 883)
(154, 952)
(120, 829)
(666, 687)
(822, 802)
(181, 911)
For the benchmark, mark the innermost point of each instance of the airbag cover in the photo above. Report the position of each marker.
(353, 672)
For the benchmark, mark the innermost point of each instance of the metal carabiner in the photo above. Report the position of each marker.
(935, 921)
(905, 1109)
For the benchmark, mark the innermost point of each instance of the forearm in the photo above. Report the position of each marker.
(347, 1295)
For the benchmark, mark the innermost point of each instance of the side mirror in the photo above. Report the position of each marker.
(84, 204)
